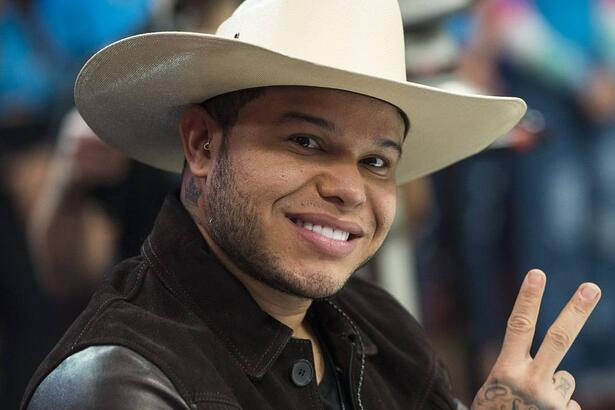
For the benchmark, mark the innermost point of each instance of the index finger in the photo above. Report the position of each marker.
(566, 327)
(521, 324)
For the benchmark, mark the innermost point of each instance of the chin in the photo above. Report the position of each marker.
(309, 285)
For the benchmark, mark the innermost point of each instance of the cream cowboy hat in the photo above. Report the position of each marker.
(132, 92)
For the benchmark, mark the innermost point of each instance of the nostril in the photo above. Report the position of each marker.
(336, 199)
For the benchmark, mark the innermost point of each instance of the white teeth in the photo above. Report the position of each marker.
(340, 235)
(326, 231)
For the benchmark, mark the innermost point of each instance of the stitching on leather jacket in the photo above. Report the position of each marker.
(95, 316)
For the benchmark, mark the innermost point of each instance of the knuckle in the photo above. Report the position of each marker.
(559, 339)
(579, 309)
(520, 324)
(532, 387)
(529, 294)
(503, 373)
(527, 300)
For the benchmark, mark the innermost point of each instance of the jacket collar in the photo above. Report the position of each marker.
(184, 263)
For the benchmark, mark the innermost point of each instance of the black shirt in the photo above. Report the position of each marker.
(330, 388)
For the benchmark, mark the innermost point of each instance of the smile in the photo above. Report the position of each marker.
(327, 235)
(326, 231)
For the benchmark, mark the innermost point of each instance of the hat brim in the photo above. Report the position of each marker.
(132, 93)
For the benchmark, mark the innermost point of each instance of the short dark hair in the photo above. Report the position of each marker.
(225, 108)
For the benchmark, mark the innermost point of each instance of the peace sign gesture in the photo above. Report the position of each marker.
(518, 381)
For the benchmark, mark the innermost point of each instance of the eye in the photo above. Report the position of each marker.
(375, 162)
(306, 141)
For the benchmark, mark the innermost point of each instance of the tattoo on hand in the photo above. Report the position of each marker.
(502, 396)
(563, 387)
(192, 191)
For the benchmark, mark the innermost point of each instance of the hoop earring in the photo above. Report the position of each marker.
(206, 146)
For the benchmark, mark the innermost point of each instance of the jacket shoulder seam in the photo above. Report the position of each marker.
(106, 303)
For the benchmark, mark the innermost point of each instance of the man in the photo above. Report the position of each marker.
(241, 296)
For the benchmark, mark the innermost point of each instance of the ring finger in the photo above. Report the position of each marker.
(564, 384)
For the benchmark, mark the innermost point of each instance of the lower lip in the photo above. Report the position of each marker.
(325, 245)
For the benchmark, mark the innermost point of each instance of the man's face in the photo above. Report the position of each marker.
(303, 191)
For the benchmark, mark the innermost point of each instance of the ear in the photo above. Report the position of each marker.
(197, 127)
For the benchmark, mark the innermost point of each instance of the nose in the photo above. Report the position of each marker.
(342, 185)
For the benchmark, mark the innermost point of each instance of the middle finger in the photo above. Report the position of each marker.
(565, 329)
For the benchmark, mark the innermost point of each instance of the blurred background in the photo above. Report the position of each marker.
(541, 196)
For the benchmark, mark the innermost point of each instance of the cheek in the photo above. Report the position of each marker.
(384, 205)
(268, 178)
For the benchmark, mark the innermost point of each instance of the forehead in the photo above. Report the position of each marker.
(347, 110)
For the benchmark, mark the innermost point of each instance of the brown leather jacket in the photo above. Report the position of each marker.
(172, 329)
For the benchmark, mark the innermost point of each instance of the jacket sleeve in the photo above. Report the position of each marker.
(106, 377)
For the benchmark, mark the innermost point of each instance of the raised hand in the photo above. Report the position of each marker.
(518, 381)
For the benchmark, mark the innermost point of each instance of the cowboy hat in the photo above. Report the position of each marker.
(132, 92)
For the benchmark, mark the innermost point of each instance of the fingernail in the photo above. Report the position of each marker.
(589, 291)
(535, 277)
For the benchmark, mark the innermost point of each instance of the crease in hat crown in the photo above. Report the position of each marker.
(363, 36)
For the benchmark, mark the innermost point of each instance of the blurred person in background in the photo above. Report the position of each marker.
(43, 44)
(95, 208)
(97, 205)
(200, 15)
(559, 57)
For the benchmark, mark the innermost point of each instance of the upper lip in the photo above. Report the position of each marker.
(327, 220)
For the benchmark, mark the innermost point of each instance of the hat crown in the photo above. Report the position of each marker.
(364, 36)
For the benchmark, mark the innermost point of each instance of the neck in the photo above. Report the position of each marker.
(287, 309)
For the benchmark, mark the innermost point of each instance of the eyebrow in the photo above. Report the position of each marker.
(320, 122)
(331, 127)
(387, 143)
